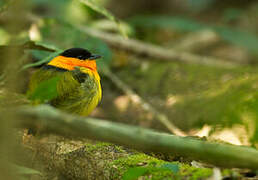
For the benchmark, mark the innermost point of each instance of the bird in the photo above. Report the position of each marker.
(78, 89)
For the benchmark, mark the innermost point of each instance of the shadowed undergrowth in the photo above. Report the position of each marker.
(221, 97)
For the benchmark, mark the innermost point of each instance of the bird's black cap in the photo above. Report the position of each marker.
(79, 53)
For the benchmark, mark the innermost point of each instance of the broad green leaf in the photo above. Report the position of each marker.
(28, 45)
(40, 46)
(38, 54)
(134, 173)
(46, 90)
(239, 38)
(96, 7)
(31, 45)
(43, 61)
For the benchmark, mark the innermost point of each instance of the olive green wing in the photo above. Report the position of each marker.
(43, 86)
(51, 84)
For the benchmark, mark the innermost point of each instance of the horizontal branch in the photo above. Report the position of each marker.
(48, 119)
(155, 51)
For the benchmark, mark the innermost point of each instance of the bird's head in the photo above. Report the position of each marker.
(75, 57)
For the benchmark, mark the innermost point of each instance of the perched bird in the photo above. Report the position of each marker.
(78, 88)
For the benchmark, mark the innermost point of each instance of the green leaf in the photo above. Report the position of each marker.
(134, 173)
(96, 7)
(43, 61)
(21, 170)
(171, 166)
(239, 38)
(28, 45)
(38, 54)
(169, 22)
(40, 46)
(46, 90)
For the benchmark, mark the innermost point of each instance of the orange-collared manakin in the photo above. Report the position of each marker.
(78, 88)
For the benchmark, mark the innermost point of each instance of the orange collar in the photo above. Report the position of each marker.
(69, 63)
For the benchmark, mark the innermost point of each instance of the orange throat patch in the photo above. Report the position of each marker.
(70, 63)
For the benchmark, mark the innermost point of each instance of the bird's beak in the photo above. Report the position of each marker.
(94, 56)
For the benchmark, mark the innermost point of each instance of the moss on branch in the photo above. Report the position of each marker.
(57, 157)
(48, 119)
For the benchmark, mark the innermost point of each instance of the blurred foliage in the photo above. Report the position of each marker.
(197, 5)
(182, 24)
(200, 95)
(221, 97)
(232, 14)
(190, 95)
(220, 103)
(4, 36)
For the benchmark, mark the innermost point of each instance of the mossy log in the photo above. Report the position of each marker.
(61, 158)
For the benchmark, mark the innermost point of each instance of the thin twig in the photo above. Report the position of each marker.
(135, 98)
(197, 40)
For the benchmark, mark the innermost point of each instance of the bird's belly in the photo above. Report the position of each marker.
(90, 105)
(93, 99)
(84, 100)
